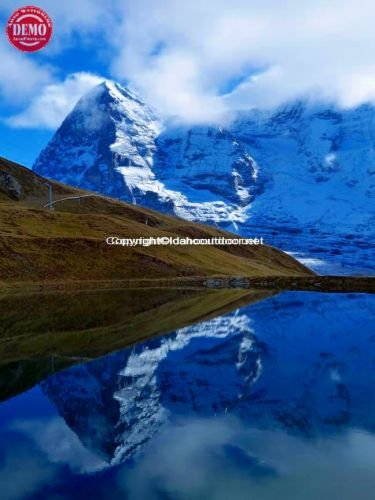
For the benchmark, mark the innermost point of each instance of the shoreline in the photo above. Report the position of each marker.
(328, 284)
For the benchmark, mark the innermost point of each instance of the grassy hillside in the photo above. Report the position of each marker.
(68, 243)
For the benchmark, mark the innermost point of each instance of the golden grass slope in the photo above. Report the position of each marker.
(68, 243)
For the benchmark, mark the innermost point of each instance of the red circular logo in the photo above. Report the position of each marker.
(29, 29)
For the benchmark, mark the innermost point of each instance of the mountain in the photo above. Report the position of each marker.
(68, 243)
(301, 175)
(113, 143)
(320, 166)
(107, 128)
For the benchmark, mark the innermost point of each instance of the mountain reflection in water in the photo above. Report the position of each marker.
(271, 400)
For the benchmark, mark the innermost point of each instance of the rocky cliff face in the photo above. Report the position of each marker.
(108, 127)
(10, 186)
(303, 176)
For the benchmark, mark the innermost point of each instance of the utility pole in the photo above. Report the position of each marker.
(50, 195)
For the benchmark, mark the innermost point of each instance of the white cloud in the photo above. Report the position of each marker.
(226, 458)
(24, 75)
(23, 472)
(60, 445)
(20, 76)
(181, 56)
(54, 102)
(312, 48)
(70, 15)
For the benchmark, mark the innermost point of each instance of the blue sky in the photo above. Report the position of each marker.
(81, 54)
(195, 61)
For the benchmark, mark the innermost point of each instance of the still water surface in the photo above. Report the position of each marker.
(274, 400)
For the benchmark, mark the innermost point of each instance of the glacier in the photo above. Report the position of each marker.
(302, 175)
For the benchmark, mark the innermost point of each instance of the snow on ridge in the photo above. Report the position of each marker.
(295, 170)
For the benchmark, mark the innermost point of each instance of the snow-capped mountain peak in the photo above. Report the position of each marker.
(109, 128)
(112, 142)
(301, 176)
